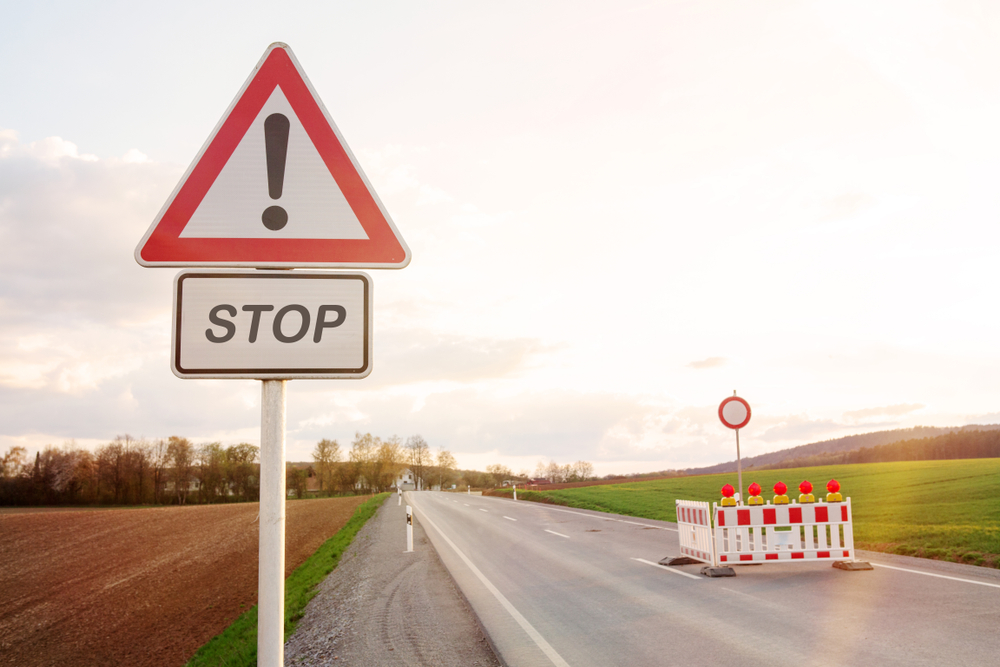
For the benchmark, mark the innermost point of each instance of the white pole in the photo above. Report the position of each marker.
(470, 489)
(739, 469)
(515, 491)
(271, 556)
(399, 495)
(409, 529)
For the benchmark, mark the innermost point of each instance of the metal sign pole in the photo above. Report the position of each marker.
(271, 567)
(739, 467)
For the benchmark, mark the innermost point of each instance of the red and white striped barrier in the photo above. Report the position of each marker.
(694, 527)
(788, 533)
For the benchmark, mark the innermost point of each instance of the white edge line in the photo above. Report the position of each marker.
(608, 518)
(940, 576)
(668, 569)
(555, 533)
(536, 636)
(482, 510)
(509, 518)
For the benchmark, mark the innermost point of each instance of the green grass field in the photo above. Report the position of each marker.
(948, 510)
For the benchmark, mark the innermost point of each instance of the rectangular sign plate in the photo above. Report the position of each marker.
(271, 325)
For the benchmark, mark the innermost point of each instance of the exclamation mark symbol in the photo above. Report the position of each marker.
(276, 145)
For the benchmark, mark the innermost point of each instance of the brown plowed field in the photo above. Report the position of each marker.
(138, 587)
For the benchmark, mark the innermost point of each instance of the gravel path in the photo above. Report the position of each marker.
(382, 606)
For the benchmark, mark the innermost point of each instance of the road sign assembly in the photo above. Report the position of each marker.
(271, 324)
(274, 186)
(734, 413)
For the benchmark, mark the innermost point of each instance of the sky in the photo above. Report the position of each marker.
(618, 213)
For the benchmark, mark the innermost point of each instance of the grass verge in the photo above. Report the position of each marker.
(236, 646)
(946, 510)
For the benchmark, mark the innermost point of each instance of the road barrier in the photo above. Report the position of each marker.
(694, 528)
(796, 532)
(788, 533)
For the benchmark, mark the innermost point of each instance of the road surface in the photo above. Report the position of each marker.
(566, 587)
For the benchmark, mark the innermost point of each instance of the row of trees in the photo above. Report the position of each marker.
(130, 471)
(581, 471)
(373, 465)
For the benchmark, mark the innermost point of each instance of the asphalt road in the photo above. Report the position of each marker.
(559, 586)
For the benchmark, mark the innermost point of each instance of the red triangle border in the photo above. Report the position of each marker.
(384, 247)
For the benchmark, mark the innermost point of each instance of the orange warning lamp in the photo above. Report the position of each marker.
(779, 494)
(755, 498)
(833, 486)
(727, 496)
(805, 492)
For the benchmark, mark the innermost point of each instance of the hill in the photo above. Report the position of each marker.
(802, 454)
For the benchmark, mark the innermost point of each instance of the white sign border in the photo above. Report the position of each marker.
(270, 374)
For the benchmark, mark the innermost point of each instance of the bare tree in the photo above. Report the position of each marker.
(418, 456)
(327, 453)
(12, 462)
(113, 468)
(583, 470)
(345, 476)
(158, 460)
(445, 467)
(211, 472)
(180, 452)
(242, 474)
(364, 449)
(296, 480)
(499, 473)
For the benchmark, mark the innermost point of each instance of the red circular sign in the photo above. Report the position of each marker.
(734, 412)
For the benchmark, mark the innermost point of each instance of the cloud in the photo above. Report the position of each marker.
(885, 411)
(426, 356)
(801, 430)
(711, 362)
(68, 226)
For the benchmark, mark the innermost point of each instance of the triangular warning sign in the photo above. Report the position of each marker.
(274, 186)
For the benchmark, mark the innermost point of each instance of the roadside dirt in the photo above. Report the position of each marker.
(138, 587)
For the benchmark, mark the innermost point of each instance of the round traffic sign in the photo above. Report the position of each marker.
(734, 412)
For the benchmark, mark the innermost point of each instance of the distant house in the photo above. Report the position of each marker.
(405, 481)
(539, 481)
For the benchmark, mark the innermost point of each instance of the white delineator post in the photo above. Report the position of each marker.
(271, 563)
(515, 492)
(409, 529)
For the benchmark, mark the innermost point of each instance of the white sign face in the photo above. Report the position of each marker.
(272, 325)
(734, 412)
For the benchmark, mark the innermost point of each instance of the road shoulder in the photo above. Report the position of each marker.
(382, 606)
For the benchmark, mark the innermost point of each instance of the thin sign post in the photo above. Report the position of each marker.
(271, 560)
(734, 413)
